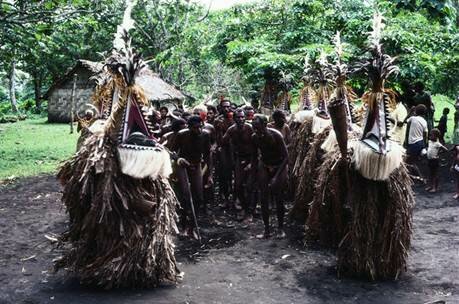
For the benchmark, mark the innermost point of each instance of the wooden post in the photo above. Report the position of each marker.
(72, 103)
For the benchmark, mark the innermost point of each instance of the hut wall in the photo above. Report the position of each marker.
(59, 103)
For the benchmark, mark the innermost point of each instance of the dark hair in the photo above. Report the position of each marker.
(177, 124)
(164, 108)
(211, 108)
(239, 110)
(193, 120)
(278, 114)
(177, 112)
(421, 109)
(419, 86)
(446, 111)
(435, 132)
(262, 118)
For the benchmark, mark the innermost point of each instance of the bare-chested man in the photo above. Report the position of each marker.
(208, 167)
(240, 136)
(211, 114)
(280, 124)
(168, 139)
(222, 123)
(272, 170)
(192, 146)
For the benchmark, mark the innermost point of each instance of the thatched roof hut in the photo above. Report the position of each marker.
(59, 94)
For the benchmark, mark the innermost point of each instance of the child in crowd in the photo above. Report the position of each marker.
(455, 169)
(456, 123)
(433, 160)
(442, 125)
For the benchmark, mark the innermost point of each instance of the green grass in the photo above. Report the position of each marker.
(33, 146)
(441, 102)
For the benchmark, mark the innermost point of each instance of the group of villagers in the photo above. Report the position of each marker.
(130, 188)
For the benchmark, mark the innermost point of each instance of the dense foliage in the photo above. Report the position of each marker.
(232, 51)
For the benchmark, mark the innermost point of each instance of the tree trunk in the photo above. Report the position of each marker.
(14, 104)
(37, 91)
(269, 93)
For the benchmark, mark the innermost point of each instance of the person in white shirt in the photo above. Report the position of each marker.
(416, 133)
(415, 140)
(396, 118)
(433, 160)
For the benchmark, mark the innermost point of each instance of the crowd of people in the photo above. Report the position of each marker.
(229, 151)
(237, 154)
(423, 137)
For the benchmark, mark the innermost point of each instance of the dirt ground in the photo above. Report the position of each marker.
(231, 266)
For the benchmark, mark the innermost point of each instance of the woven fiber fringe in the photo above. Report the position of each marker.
(327, 218)
(301, 141)
(331, 144)
(121, 228)
(319, 124)
(373, 165)
(145, 163)
(379, 233)
(304, 115)
(307, 173)
(299, 145)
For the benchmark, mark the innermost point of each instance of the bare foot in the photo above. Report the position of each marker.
(456, 196)
(433, 190)
(280, 234)
(247, 219)
(192, 233)
(265, 235)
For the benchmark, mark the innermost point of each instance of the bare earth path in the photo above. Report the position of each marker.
(232, 266)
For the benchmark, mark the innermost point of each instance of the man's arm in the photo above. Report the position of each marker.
(288, 136)
(227, 137)
(284, 154)
(206, 149)
(426, 135)
(254, 148)
(407, 133)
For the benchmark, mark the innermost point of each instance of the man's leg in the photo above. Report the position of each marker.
(208, 190)
(263, 180)
(195, 174)
(221, 172)
(239, 178)
(278, 195)
(185, 195)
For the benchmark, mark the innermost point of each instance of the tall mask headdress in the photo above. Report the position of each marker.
(375, 156)
(139, 153)
(323, 79)
(339, 108)
(306, 97)
(378, 67)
